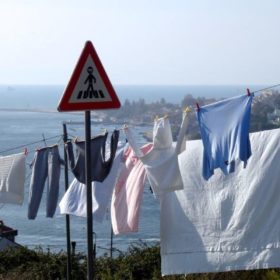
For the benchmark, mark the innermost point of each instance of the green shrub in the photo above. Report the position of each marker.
(140, 262)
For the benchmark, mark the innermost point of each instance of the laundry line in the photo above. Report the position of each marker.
(267, 88)
(123, 127)
(43, 140)
(30, 144)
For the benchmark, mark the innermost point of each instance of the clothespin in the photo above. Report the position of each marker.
(197, 107)
(248, 92)
(187, 110)
(25, 151)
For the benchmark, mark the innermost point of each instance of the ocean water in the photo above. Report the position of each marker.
(20, 128)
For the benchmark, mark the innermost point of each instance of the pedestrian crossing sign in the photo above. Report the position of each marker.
(89, 87)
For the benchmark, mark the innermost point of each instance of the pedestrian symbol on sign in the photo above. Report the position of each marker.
(90, 92)
(89, 80)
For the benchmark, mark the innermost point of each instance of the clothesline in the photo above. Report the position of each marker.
(192, 108)
(29, 144)
(263, 89)
(43, 140)
(197, 107)
(121, 128)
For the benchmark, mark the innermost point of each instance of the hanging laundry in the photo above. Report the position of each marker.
(100, 167)
(230, 222)
(12, 178)
(46, 164)
(161, 162)
(128, 192)
(74, 201)
(224, 128)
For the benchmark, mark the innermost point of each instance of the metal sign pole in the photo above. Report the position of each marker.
(90, 264)
(111, 245)
(81, 95)
(65, 138)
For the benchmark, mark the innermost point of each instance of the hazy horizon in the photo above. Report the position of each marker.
(47, 97)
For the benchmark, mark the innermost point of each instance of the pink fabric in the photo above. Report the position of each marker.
(128, 192)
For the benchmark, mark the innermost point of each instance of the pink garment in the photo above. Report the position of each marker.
(128, 192)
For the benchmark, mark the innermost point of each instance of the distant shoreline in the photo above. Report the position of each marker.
(29, 110)
(49, 95)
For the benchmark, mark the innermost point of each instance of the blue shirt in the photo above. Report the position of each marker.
(224, 128)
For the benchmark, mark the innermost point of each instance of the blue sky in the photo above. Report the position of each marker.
(178, 42)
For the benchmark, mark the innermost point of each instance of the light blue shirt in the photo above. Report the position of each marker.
(224, 128)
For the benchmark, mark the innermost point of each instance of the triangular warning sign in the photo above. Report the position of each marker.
(89, 87)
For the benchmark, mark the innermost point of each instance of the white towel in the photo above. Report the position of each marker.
(12, 178)
(229, 222)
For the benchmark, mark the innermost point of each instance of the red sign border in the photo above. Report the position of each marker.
(65, 105)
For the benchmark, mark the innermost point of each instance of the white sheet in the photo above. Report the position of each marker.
(230, 222)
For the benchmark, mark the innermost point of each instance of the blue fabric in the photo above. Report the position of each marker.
(100, 167)
(46, 164)
(224, 128)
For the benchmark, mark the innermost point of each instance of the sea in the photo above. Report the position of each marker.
(29, 119)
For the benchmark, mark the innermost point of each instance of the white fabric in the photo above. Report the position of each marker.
(161, 162)
(74, 201)
(229, 222)
(12, 178)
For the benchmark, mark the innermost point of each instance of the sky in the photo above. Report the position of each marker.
(147, 42)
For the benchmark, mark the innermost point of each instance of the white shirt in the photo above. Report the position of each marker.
(74, 201)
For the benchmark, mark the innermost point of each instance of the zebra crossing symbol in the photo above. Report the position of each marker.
(89, 87)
